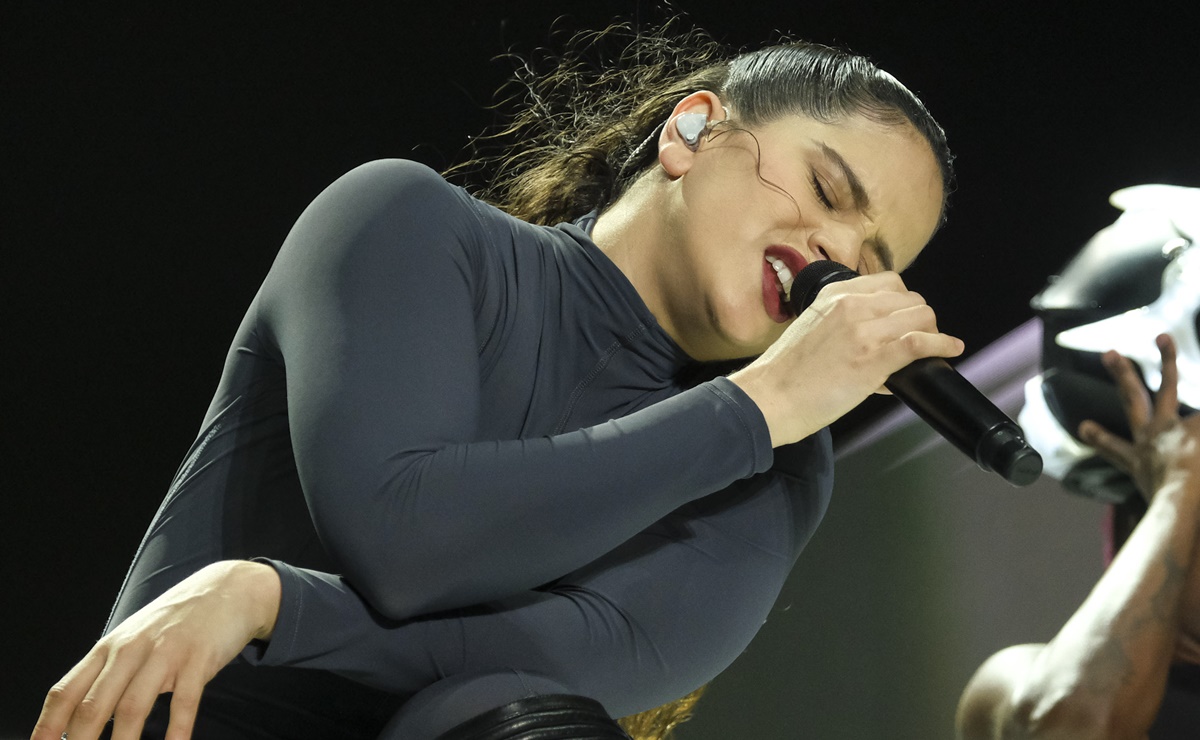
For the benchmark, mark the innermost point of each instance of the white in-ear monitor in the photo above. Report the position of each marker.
(690, 126)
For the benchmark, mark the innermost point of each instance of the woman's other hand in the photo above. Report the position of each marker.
(839, 351)
(176, 643)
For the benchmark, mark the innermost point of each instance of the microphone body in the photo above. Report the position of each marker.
(941, 396)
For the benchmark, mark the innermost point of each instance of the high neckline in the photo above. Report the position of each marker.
(616, 298)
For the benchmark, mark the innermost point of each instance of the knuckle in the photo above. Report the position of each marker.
(119, 648)
(911, 343)
(89, 711)
(57, 693)
(890, 278)
(131, 708)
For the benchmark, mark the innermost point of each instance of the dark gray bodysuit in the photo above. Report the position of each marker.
(481, 471)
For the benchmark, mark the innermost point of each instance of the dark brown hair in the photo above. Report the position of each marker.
(584, 127)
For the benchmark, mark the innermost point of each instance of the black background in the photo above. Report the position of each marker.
(154, 158)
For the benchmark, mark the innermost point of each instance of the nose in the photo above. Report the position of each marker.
(839, 242)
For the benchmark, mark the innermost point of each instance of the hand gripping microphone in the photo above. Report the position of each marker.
(942, 397)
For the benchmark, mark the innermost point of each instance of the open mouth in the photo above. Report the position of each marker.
(783, 277)
(780, 266)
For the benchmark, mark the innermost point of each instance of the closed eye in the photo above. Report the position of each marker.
(820, 192)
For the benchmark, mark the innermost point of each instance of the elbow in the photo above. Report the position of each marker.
(391, 596)
(1066, 715)
(389, 599)
(399, 594)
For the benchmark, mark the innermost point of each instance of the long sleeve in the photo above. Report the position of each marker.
(654, 618)
(374, 309)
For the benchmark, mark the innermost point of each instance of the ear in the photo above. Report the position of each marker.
(675, 152)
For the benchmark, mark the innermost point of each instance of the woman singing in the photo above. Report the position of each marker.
(472, 452)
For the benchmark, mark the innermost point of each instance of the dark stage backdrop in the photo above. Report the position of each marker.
(154, 157)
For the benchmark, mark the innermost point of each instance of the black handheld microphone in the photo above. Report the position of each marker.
(943, 398)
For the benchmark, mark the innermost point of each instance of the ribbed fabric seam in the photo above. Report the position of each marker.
(745, 424)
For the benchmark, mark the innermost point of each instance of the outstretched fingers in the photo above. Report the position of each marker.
(1111, 447)
(132, 709)
(1135, 401)
(1166, 403)
(1134, 397)
(62, 699)
(1147, 419)
(123, 691)
(185, 704)
(121, 683)
(176, 643)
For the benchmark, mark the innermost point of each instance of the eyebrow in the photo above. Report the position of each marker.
(862, 202)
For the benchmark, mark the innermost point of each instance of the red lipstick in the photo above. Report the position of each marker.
(773, 299)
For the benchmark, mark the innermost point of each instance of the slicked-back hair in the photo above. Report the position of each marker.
(584, 129)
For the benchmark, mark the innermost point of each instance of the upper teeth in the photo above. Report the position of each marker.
(783, 274)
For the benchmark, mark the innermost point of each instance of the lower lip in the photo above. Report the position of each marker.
(772, 300)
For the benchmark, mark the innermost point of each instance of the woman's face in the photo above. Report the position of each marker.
(861, 193)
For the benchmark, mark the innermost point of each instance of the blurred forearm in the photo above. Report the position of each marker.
(1106, 669)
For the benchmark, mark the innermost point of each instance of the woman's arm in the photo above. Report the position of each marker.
(651, 620)
(372, 304)
(700, 578)
(1103, 675)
